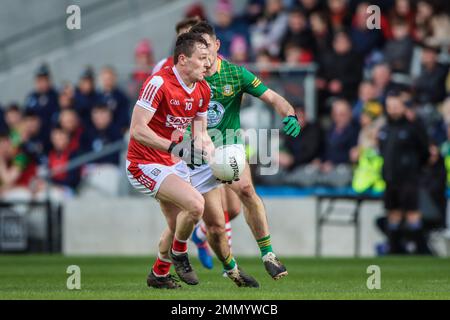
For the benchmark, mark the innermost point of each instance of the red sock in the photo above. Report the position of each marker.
(161, 267)
(179, 246)
(227, 226)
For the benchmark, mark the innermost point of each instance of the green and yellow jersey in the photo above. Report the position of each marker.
(228, 85)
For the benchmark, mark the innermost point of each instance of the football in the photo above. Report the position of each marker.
(228, 162)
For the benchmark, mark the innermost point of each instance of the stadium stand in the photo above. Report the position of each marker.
(318, 54)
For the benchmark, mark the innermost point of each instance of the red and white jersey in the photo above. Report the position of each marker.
(166, 62)
(174, 105)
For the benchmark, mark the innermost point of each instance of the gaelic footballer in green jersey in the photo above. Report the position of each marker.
(228, 86)
(228, 83)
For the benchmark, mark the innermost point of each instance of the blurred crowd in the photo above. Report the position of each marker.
(53, 126)
(358, 68)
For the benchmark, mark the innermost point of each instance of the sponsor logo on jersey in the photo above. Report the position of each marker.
(227, 90)
(215, 113)
(200, 103)
(175, 102)
(179, 123)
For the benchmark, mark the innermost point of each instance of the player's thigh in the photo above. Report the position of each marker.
(180, 193)
(213, 214)
(230, 202)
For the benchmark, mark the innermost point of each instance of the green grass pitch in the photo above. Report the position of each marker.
(45, 277)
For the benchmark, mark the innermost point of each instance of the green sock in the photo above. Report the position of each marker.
(229, 262)
(265, 245)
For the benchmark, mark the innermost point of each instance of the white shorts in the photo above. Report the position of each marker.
(147, 178)
(203, 179)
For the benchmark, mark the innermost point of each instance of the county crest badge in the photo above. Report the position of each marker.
(227, 90)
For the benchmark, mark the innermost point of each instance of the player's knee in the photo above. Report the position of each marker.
(216, 229)
(195, 208)
(247, 191)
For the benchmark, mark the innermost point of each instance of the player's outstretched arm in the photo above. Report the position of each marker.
(285, 110)
(140, 131)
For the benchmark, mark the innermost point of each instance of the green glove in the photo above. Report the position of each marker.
(291, 126)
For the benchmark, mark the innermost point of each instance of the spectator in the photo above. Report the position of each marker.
(44, 99)
(17, 169)
(70, 122)
(86, 95)
(36, 145)
(269, 30)
(265, 62)
(340, 69)
(403, 10)
(297, 33)
(366, 93)
(254, 10)
(429, 86)
(228, 27)
(370, 121)
(368, 172)
(398, 51)
(320, 27)
(364, 40)
(382, 81)
(101, 134)
(197, 11)
(433, 24)
(59, 157)
(308, 6)
(115, 99)
(13, 117)
(144, 61)
(333, 168)
(341, 137)
(404, 148)
(296, 55)
(239, 50)
(339, 14)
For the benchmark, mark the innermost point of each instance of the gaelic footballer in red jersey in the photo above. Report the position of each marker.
(169, 101)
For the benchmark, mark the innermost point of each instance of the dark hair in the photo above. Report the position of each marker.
(393, 93)
(13, 107)
(58, 127)
(101, 106)
(186, 23)
(30, 113)
(204, 28)
(186, 45)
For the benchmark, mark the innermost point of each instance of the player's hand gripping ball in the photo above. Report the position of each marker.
(228, 163)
